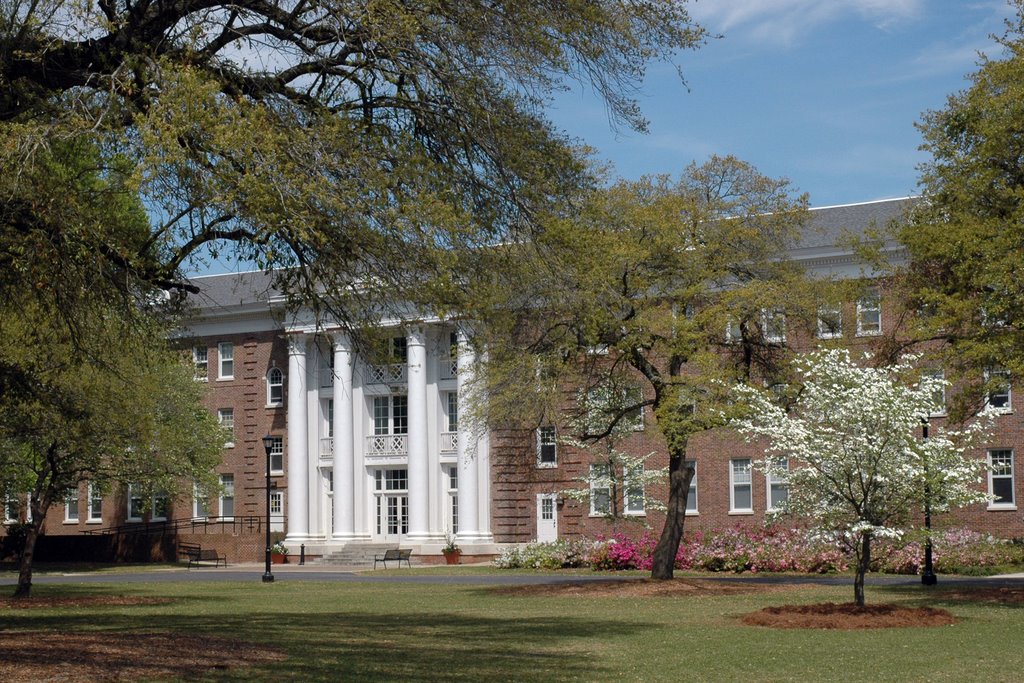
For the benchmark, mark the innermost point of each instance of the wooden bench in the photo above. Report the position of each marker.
(196, 553)
(395, 554)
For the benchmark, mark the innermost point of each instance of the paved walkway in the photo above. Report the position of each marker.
(254, 572)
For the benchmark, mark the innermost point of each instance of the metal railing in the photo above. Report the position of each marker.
(251, 523)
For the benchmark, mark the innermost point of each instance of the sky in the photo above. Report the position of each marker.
(822, 92)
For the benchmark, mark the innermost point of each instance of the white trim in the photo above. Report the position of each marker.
(68, 519)
(90, 519)
(129, 516)
(768, 482)
(874, 294)
(594, 489)
(820, 333)
(626, 485)
(1008, 408)
(221, 360)
(280, 384)
(541, 464)
(693, 492)
(1012, 504)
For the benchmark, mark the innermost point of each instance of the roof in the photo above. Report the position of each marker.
(828, 226)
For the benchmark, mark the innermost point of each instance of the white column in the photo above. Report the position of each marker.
(298, 458)
(419, 491)
(344, 472)
(469, 500)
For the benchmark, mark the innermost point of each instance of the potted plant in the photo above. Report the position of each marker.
(451, 550)
(278, 553)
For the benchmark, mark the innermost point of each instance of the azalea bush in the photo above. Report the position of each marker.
(954, 551)
(559, 554)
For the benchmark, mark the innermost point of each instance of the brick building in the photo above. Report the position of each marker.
(369, 453)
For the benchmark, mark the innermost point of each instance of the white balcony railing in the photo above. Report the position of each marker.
(326, 448)
(449, 442)
(326, 377)
(393, 373)
(448, 368)
(387, 444)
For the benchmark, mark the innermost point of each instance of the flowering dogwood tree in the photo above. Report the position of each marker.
(858, 465)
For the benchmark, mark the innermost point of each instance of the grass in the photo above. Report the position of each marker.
(404, 632)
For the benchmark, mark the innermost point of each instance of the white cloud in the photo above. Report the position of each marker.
(785, 21)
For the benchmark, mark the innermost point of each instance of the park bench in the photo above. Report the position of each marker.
(394, 554)
(196, 553)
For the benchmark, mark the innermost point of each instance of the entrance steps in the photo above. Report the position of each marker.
(356, 555)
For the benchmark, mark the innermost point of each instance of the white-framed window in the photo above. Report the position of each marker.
(869, 313)
(200, 502)
(277, 455)
(1000, 479)
(452, 411)
(691, 496)
(830, 322)
(225, 360)
(633, 491)
(778, 486)
(277, 503)
(939, 397)
(275, 387)
(328, 408)
(999, 394)
(134, 503)
(600, 417)
(773, 325)
(740, 492)
(161, 507)
(452, 473)
(600, 490)
(227, 495)
(12, 508)
(391, 414)
(199, 360)
(226, 418)
(95, 504)
(547, 446)
(71, 505)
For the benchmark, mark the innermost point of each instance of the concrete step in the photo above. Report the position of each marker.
(355, 555)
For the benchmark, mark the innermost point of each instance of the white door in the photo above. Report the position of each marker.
(547, 517)
(391, 492)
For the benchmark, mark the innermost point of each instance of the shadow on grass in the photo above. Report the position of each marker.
(952, 594)
(357, 645)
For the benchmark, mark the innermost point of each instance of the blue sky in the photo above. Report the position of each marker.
(823, 92)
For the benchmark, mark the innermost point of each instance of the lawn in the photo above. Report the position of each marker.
(425, 632)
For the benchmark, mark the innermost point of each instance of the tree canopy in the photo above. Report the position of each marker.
(658, 295)
(966, 237)
(368, 141)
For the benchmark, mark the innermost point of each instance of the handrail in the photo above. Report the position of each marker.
(240, 523)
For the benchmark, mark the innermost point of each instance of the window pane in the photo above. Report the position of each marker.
(741, 497)
(691, 496)
(400, 415)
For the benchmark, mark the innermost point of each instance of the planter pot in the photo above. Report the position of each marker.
(452, 557)
(278, 559)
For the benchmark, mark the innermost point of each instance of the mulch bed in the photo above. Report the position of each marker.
(848, 616)
(78, 657)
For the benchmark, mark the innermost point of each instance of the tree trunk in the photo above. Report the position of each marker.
(24, 588)
(679, 478)
(863, 560)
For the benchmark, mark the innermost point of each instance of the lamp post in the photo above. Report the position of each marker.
(928, 577)
(268, 443)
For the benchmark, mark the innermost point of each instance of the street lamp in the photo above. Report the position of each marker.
(928, 577)
(268, 444)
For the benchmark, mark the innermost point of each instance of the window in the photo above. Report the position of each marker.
(200, 502)
(999, 396)
(633, 491)
(226, 360)
(605, 404)
(778, 486)
(95, 504)
(691, 496)
(547, 447)
(201, 365)
(773, 325)
(740, 496)
(134, 504)
(276, 503)
(452, 411)
(391, 414)
(71, 505)
(226, 418)
(277, 455)
(1000, 479)
(399, 350)
(161, 506)
(227, 495)
(600, 490)
(275, 387)
(869, 314)
(12, 508)
(453, 498)
(939, 397)
(830, 322)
